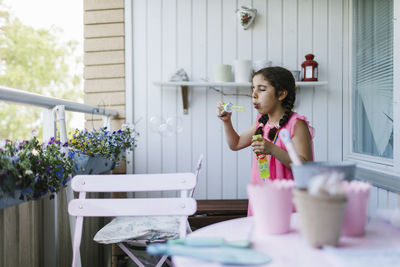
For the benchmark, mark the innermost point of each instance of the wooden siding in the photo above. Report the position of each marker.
(104, 44)
(196, 35)
(104, 68)
(104, 86)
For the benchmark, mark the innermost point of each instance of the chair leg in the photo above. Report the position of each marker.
(161, 261)
(77, 242)
(129, 253)
(168, 262)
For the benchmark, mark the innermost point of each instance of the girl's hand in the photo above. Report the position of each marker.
(262, 146)
(221, 113)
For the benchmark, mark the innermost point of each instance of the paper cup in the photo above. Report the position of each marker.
(272, 206)
(222, 73)
(243, 70)
(321, 217)
(355, 216)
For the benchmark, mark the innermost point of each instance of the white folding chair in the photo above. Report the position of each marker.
(182, 206)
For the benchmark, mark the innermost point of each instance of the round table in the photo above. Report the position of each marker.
(292, 249)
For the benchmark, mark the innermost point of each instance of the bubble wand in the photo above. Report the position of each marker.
(229, 107)
(285, 137)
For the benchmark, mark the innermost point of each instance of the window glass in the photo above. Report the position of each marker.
(372, 77)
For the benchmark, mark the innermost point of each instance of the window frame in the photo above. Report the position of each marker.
(370, 166)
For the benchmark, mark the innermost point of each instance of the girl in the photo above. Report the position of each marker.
(273, 97)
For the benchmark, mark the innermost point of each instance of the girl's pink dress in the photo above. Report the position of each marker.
(277, 169)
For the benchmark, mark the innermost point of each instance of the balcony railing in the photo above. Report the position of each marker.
(53, 113)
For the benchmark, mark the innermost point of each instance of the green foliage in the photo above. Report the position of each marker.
(34, 60)
(34, 169)
(108, 144)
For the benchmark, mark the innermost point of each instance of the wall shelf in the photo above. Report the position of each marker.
(184, 87)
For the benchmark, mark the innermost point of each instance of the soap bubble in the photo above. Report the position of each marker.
(155, 123)
(165, 130)
(175, 124)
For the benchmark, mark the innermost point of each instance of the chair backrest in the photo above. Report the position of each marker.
(183, 205)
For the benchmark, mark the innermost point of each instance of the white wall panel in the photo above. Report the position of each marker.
(140, 86)
(169, 96)
(335, 78)
(154, 71)
(198, 105)
(214, 133)
(320, 48)
(196, 35)
(184, 58)
(229, 159)
(305, 96)
(244, 119)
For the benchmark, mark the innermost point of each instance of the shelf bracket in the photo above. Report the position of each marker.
(185, 101)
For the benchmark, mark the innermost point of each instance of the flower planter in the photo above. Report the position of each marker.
(8, 201)
(93, 164)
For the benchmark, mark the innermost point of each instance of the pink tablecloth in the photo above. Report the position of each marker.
(380, 246)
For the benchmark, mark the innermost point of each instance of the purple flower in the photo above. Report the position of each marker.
(15, 159)
(71, 154)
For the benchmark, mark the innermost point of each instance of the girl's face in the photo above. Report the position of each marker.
(264, 99)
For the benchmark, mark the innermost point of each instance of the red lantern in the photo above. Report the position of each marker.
(309, 69)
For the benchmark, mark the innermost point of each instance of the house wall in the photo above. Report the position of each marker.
(195, 35)
(104, 86)
(104, 59)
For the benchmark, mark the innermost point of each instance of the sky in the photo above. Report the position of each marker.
(63, 14)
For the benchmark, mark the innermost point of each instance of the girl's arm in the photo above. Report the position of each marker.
(235, 141)
(301, 141)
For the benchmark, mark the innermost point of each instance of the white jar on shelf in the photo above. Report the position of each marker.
(243, 70)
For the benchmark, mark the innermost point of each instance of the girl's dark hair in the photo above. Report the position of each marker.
(281, 79)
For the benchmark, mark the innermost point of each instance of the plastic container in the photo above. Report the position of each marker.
(321, 217)
(303, 173)
(355, 217)
(272, 204)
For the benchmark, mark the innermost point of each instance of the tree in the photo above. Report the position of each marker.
(34, 60)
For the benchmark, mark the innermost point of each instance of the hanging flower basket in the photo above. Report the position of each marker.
(101, 150)
(29, 170)
(11, 200)
(95, 164)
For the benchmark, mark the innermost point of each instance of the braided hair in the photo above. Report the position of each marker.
(281, 79)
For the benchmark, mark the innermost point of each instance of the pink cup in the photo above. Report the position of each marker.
(272, 204)
(355, 216)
